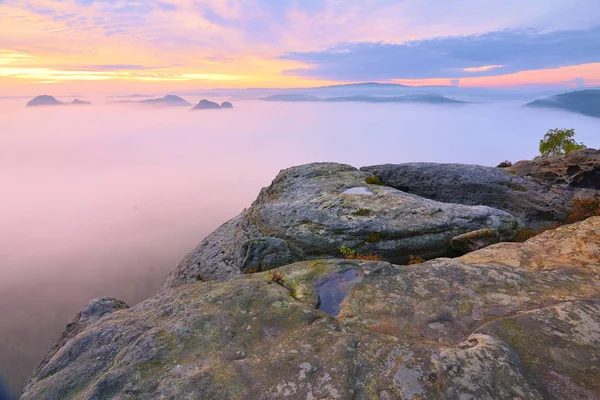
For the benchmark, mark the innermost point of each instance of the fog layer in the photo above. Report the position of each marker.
(105, 200)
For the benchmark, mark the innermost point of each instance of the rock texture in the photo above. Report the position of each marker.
(315, 209)
(511, 321)
(578, 169)
(538, 192)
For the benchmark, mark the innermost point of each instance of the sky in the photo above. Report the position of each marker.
(116, 46)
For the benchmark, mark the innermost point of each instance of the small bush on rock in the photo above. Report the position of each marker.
(347, 252)
(504, 164)
(559, 142)
(373, 180)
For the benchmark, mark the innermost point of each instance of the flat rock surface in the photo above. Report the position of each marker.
(318, 208)
(511, 321)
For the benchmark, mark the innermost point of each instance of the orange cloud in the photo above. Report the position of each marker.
(482, 69)
(564, 75)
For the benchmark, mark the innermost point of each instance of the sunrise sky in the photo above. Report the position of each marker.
(115, 46)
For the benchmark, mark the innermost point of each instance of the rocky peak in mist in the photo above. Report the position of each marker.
(47, 100)
(168, 100)
(44, 100)
(226, 104)
(206, 105)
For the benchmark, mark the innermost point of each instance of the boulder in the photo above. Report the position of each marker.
(318, 208)
(513, 320)
(539, 193)
(475, 240)
(206, 105)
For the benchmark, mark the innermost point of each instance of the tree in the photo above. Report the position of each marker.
(559, 142)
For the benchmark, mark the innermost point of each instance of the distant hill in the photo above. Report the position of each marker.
(411, 98)
(365, 85)
(44, 100)
(168, 100)
(291, 97)
(207, 105)
(586, 102)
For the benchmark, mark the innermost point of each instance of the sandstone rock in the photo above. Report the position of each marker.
(514, 320)
(579, 169)
(95, 310)
(475, 240)
(318, 208)
(535, 203)
(263, 254)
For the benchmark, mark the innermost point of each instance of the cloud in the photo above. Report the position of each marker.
(166, 6)
(489, 54)
(115, 67)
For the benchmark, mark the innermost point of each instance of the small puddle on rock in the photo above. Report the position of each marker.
(358, 190)
(333, 289)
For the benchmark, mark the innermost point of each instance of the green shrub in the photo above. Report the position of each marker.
(347, 252)
(373, 180)
(504, 164)
(374, 237)
(559, 142)
(362, 212)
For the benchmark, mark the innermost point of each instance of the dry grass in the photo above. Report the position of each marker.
(582, 209)
(367, 257)
(415, 260)
(276, 276)
(351, 254)
(504, 164)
